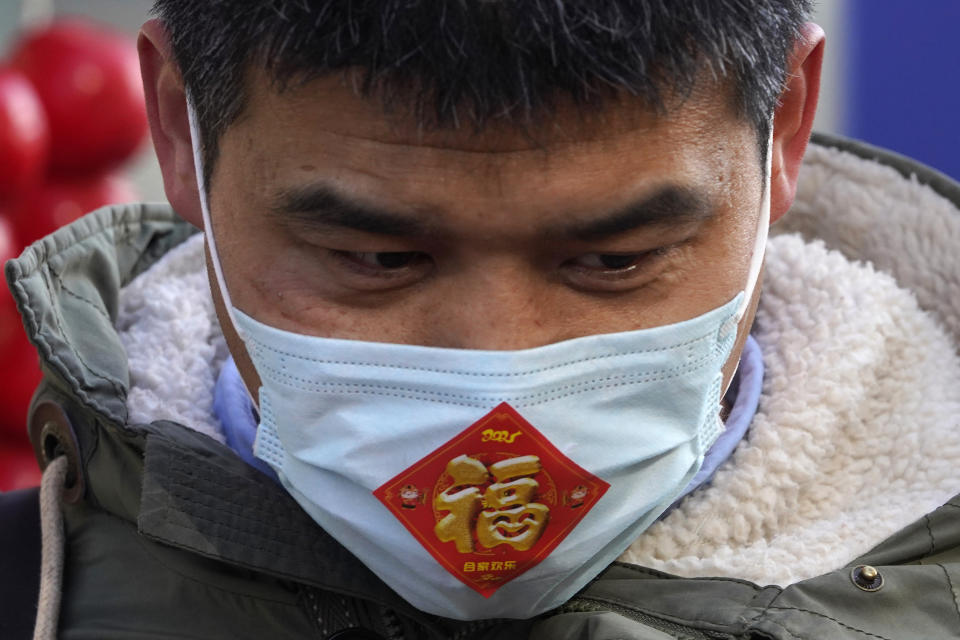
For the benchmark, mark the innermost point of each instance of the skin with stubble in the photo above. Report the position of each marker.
(335, 218)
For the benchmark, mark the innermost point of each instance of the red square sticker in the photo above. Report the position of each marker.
(494, 501)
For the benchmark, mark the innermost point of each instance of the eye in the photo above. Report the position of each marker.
(615, 271)
(384, 260)
(610, 262)
(379, 270)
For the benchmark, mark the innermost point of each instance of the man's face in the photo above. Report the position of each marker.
(334, 219)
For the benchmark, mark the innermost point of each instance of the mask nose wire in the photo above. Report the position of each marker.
(207, 222)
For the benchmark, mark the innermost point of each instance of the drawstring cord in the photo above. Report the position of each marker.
(51, 562)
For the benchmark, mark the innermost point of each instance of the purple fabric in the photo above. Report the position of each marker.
(232, 406)
(743, 396)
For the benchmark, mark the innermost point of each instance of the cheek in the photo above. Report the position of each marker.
(733, 242)
(271, 282)
(252, 255)
(718, 266)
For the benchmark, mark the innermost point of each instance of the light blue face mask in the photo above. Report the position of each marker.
(485, 484)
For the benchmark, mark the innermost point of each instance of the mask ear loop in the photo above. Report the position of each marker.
(763, 227)
(759, 247)
(207, 222)
(208, 231)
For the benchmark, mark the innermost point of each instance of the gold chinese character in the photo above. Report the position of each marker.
(509, 516)
(469, 567)
(483, 566)
(515, 467)
(502, 495)
(496, 566)
(512, 519)
(520, 527)
(462, 502)
(509, 565)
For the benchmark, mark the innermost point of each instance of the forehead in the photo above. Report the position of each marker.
(325, 129)
(335, 101)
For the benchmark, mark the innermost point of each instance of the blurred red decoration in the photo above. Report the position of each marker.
(71, 111)
(88, 79)
(24, 134)
(10, 328)
(58, 202)
(9, 245)
(20, 373)
(18, 468)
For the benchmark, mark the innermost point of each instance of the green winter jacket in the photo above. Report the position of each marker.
(170, 535)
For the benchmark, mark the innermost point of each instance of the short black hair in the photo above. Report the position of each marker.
(481, 60)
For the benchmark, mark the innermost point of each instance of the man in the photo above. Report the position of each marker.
(486, 273)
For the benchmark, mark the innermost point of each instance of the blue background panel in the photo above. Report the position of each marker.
(903, 70)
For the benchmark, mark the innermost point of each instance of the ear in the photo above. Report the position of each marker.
(169, 124)
(793, 119)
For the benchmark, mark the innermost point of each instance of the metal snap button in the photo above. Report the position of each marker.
(866, 578)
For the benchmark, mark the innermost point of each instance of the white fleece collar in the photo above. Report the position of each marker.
(857, 433)
(858, 430)
(174, 344)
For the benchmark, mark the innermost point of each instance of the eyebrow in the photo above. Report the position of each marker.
(321, 205)
(669, 205)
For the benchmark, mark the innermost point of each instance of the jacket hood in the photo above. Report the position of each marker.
(78, 272)
(876, 206)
